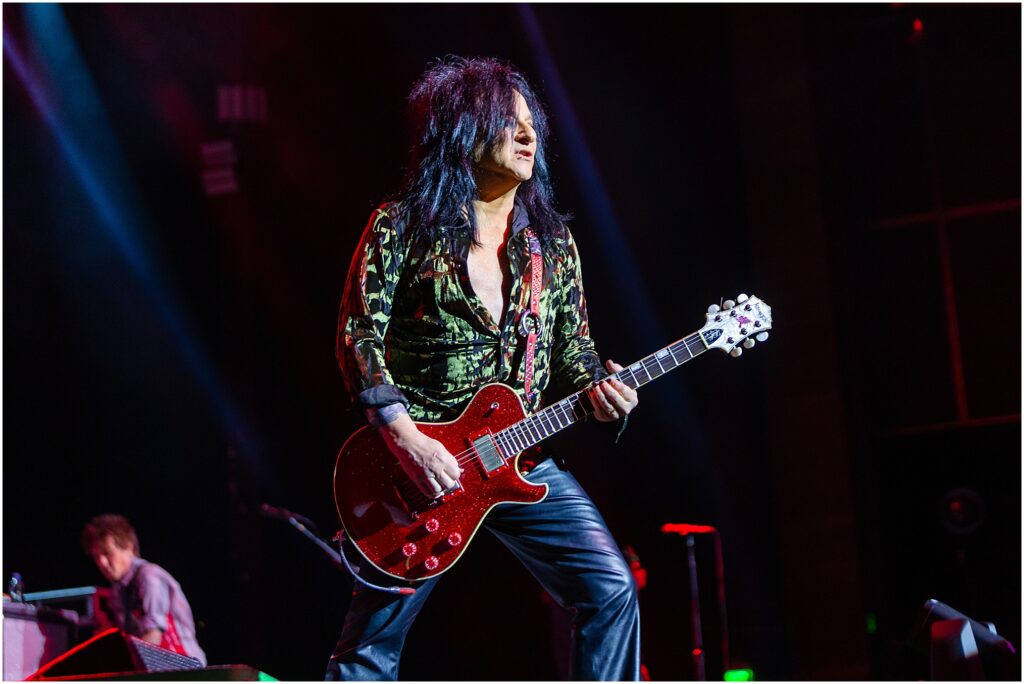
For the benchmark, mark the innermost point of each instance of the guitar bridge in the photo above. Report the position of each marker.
(415, 501)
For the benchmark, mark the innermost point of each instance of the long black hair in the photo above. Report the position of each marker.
(456, 106)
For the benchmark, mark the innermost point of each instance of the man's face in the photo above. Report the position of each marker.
(512, 157)
(112, 560)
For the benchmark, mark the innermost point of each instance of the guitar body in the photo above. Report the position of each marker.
(397, 528)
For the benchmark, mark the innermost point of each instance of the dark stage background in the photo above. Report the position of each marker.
(173, 262)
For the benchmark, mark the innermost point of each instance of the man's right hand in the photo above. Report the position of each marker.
(424, 459)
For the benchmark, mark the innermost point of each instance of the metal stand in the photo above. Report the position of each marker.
(689, 531)
(337, 557)
(698, 637)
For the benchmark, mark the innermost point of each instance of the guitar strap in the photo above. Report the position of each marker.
(530, 323)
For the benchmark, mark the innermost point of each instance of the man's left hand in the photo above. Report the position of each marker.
(611, 398)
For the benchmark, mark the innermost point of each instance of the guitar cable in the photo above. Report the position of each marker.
(337, 557)
(401, 591)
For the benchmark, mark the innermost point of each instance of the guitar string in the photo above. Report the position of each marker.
(522, 429)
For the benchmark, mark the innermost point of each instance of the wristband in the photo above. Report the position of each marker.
(378, 417)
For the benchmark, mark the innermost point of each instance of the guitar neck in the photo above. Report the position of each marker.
(576, 407)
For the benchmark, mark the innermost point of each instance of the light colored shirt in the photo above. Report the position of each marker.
(148, 598)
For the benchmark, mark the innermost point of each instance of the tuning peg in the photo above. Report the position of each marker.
(728, 304)
(736, 352)
(748, 343)
(761, 337)
(742, 298)
(714, 308)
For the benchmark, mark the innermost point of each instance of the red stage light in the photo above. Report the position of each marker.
(918, 26)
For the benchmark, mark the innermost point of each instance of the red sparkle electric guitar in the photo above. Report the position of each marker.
(407, 535)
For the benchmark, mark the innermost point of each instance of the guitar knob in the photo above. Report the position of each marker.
(761, 337)
(454, 539)
(409, 550)
(432, 525)
(736, 352)
(742, 298)
(431, 563)
(748, 343)
(728, 304)
(714, 308)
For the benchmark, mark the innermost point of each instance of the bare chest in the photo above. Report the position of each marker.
(491, 278)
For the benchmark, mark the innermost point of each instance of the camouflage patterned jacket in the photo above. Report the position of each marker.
(412, 330)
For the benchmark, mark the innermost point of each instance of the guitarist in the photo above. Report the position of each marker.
(437, 303)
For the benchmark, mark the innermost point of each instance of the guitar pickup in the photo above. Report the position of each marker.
(488, 453)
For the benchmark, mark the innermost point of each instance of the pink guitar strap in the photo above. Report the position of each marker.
(530, 322)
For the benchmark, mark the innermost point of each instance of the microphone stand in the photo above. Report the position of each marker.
(689, 531)
(337, 557)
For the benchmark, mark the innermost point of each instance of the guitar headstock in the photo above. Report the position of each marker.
(735, 325)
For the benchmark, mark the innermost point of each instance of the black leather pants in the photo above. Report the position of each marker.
(565, 544)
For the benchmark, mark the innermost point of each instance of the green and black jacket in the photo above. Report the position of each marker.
(412, 330)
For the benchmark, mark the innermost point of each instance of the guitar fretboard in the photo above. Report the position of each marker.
(574, 408)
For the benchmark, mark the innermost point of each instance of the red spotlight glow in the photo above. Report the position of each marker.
(918, 26)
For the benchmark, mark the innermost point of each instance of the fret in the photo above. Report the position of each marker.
(551, 424)
(539, 418)
(517, 433)
(641, 365)
(674, 359)
(524, 437)
(554, 412)
(658, 361)
(532, 431)
(574, 404)
(521, 438)
(520, 434)
(579, 411)
(686, 345)
(567, 412)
